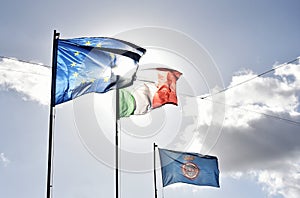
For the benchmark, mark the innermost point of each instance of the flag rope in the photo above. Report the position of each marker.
(250, 79)
(213, 94)
(237, 107)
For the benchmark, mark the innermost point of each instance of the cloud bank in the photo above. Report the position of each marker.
(30, 80)
(257, 137)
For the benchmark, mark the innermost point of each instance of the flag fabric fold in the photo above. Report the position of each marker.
(156, 87)
(94, 64)
(110, 45)
(190, 168)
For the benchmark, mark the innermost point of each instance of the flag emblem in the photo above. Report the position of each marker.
(190, 170)
(189, 158)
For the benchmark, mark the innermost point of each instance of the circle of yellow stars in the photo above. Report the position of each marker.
(76, 74)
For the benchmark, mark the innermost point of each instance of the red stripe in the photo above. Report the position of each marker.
(166, 93)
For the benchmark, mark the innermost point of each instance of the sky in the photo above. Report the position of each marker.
(252, 128)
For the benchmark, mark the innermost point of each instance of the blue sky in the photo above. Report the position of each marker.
(258, 155)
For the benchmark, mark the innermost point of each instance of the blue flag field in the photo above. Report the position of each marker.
(95, 64)
(190, 168)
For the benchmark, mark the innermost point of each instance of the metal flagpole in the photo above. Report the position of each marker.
(117, 141)
(51, 114)
(154, 171)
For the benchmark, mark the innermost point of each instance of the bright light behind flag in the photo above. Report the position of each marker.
(156, 88)
(86, 65)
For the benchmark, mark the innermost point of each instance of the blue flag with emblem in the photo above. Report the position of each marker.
(190, 168)
(94, 64)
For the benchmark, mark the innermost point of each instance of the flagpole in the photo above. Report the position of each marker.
(51, 113)
(117, 141)
(154, 171)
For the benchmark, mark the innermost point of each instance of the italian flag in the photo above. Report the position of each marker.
(158, 87)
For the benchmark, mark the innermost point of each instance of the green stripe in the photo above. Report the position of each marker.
(126, 103)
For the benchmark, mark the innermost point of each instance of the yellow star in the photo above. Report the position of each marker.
(106, 79)
(88, 43)
(93, 80)
(99, 45)
(75, 74)
(76, 53)
(83, 81)
(112, 55)
(73, 64)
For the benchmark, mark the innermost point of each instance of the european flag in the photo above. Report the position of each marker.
(190, 168)
(94, 64)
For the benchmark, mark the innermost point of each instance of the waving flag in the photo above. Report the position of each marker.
(96, 64)
(158, 88)
(190, 168)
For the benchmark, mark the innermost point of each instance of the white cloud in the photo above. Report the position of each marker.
(264, 146)
(32, 81)
(290, 74)
(4, 160)
(263, 94)
(285, 180)
(280, 180)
